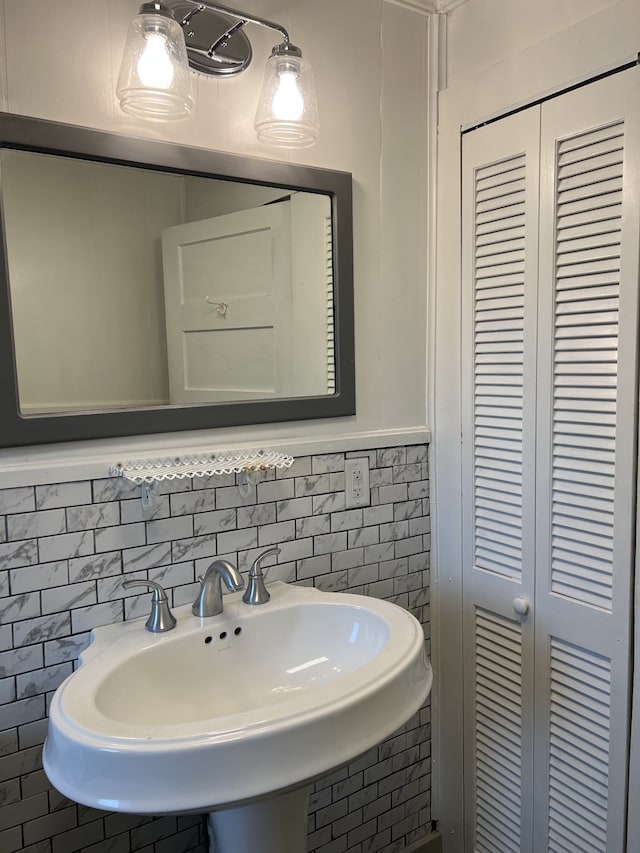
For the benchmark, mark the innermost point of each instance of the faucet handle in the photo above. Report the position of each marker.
(161, 618)
(256, 592)
(255, 568)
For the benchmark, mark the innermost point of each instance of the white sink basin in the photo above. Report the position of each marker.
(223, 710)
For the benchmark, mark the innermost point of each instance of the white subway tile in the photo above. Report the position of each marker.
(310, 567)
(15, 661)
(254, 516)
(363, 536)
(167, 529)
(15, 607)
(348, 559)
(194, 549)
(132, 510)
(66, 546)
(328, 503)
(122, 536)
(20, 499)
(63, 495)
(296, 508)
(329, 542)
(34, 524)
(86, 618)
(13, 555)
(418, 490)
(391, 456)
(278, 490)
(238, 540)
(301, 467)
(41, 629)
(215, 522)
(327, 463)
(407, 473)
(393, 531)
(62, 598)
(273, 534)
(348, 520)
(318, 484)
(313, 525)
(186, 503)
(146, 557)
(95, 566)
(42, 681)
(298, 549)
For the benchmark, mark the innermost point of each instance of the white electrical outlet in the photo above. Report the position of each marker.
(356, 473)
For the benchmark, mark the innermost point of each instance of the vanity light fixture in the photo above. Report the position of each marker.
(167, 37)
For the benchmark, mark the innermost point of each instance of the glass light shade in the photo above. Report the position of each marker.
(154, 80)
(287, 113)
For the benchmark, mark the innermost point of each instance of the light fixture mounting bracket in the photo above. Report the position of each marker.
(203, 29)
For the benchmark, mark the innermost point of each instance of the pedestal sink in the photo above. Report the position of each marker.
(236, 714)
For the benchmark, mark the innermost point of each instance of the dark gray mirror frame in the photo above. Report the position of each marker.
(52, 138)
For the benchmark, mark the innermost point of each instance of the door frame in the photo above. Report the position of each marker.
(574, 55)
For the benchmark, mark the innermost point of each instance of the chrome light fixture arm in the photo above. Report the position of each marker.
(243, 19)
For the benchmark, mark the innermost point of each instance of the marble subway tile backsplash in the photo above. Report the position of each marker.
(65, 550)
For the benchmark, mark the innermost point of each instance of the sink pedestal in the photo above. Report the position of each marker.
(273, 825)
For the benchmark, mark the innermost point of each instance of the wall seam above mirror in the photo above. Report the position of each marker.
(45, 464)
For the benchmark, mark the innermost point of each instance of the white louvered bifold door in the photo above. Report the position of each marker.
(500, 269)
(550, 285)
(589, 232)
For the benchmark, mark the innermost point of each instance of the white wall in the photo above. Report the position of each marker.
(88, 319)
(373, 123)
(482, 33)
(501, 53)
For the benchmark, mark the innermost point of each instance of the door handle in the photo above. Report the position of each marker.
(521, 606)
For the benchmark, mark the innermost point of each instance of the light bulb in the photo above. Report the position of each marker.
(288, 103)
(155, 68)
(287, 113)
(154, 81)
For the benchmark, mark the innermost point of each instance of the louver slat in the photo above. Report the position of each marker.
(498, 733)
(587, 285)
(578, 748)
(498, 363)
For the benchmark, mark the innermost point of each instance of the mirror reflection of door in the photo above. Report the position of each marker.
(245, 294)
(227, 284)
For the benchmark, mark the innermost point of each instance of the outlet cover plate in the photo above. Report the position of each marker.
(357, 489)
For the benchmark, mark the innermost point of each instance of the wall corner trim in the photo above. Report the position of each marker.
(425, 7)
(448, 5)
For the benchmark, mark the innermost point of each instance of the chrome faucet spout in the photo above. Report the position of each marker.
(209, 600)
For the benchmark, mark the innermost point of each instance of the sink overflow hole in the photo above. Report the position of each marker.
(223, 635)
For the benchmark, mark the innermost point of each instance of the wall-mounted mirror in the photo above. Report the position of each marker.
(151, 287)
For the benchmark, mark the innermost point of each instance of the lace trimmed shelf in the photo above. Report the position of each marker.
(149, 471)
